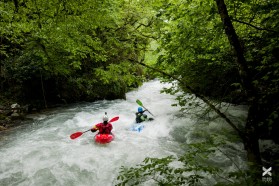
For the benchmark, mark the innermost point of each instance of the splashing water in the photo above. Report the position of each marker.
(40, 152)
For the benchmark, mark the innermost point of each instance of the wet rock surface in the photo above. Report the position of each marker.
(13, 115)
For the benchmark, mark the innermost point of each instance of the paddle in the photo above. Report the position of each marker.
(78, 134)
(140, 104)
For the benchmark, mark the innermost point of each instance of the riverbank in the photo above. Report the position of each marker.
(12, 115)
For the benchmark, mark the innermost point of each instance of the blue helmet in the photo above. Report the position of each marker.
(140, 109)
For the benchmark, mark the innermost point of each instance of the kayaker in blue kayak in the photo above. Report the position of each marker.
(104, 128)
(140, 116)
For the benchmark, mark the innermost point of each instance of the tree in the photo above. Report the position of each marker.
(240, 62)
(83, 46)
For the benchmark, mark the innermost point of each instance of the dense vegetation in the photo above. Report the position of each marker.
(64, 51)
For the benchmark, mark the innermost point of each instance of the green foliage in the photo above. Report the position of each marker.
(157, 169)
(85, 50)
(196, 49)
(71, 42)
(196, 167)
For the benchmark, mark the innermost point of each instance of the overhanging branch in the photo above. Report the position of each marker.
(256, 27)
(203, 98)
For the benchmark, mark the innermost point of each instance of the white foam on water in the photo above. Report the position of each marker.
(42, 153)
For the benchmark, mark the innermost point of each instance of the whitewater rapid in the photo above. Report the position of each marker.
(40, 152)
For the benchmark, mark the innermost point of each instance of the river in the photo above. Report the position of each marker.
(40, 152)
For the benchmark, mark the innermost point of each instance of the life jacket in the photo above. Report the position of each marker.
(140, 117)
(104, 128)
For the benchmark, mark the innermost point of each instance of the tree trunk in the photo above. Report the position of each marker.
(234, 41)
(251, 142)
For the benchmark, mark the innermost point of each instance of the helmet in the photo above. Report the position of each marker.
(140, 109)
(105, 118)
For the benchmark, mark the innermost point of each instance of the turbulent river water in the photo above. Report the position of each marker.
(40, 152)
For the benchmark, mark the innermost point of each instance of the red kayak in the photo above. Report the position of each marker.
(103, 138)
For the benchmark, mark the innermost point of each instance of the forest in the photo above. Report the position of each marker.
(59, 52)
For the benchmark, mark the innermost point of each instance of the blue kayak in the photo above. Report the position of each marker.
(137, 127)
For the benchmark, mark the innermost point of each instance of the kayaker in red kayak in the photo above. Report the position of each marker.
(104, 128)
